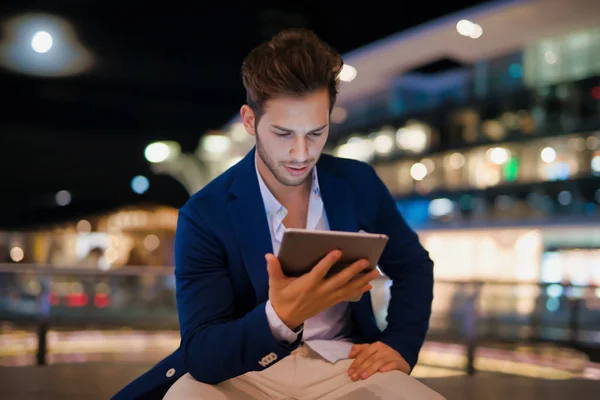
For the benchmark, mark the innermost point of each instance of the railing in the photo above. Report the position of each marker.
(466, 312)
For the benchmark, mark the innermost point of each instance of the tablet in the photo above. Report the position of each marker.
(302, 249)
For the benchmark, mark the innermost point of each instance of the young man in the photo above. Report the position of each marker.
(247, 330)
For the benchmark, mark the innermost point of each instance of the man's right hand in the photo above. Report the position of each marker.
(297, 299)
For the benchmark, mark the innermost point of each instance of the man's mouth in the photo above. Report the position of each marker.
(296, 171)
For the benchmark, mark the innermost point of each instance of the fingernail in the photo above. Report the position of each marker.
(354, 377)
(364, 375)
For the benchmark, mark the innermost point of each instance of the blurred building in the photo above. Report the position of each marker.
(135, 236)
(485, 125)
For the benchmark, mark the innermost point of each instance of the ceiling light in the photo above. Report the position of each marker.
(42, 42)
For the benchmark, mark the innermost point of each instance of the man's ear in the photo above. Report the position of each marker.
(248, 119)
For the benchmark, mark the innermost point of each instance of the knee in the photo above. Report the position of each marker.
(186, 387)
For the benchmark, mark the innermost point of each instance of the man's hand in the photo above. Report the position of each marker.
(297, 299)
(371, 358)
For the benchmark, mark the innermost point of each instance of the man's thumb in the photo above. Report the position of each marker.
(274, 268)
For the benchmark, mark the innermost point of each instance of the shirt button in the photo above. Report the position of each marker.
(170, 372)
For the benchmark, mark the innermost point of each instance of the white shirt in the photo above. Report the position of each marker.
(326, 333)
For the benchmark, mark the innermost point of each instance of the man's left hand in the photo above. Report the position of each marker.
(375, 357)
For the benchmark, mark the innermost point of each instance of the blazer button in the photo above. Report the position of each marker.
(170, 372)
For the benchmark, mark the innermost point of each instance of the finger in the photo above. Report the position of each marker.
(355, 288)
(364, 280)
(372, 365)
(274, 270)
(392, 365)
(361, 368)
(357, 348)
(361, 357)
(343, 277)
(324, 265)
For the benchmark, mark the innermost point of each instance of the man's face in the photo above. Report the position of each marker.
(291, 135)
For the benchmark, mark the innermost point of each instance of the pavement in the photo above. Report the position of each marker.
(99, 381)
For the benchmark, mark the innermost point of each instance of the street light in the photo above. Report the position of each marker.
(159, 152)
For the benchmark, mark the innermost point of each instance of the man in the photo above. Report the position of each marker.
(247, 330)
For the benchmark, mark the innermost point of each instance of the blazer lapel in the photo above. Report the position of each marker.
(247, 212)
(337, 200)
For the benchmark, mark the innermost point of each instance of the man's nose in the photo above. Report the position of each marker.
(300, 150)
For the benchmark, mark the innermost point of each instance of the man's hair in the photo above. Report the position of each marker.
(294, 62)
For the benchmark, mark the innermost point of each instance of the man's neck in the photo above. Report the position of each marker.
(288, 196)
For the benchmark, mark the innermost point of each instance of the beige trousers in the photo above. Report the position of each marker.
(304, 375)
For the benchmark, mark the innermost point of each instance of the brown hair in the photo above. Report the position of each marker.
(294, 62)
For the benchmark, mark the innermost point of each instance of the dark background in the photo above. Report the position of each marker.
(162, 71)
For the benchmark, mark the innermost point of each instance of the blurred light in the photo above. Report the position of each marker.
(84, 226)
(552, 304)
(238, 132)
(338, 115)
(151, 242)
(63, 198)
(77, 300)
(464, 27)
(383, 143)
(348, 73)
(418, 171)
(457, 161)
(356, 148)
(548, 155)
(598, 292)
(440, 207)
(498, 155)
(17, 254)
(412, 137)
(100, 300)
(162, 151)
(511, 169)
(516, 71)
(233, 161)
(550, 57)
(215, 144)
(551, 268)
(34, 288)
(111, 254)
(596, 163)
(554, 290)
(429, 164)
(565, 197)
(591, 142)
(596, 92)
(476, 32)
(41, 42)
(157, 152)
(29, 37)
(468, 28)
(140, 184)
(558, 171)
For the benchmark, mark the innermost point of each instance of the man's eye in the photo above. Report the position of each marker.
(283, 134)
(316, 133)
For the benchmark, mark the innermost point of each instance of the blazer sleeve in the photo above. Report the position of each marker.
(216, 345)
(406, 262)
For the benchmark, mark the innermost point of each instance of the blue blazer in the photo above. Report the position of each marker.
(222, 283)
